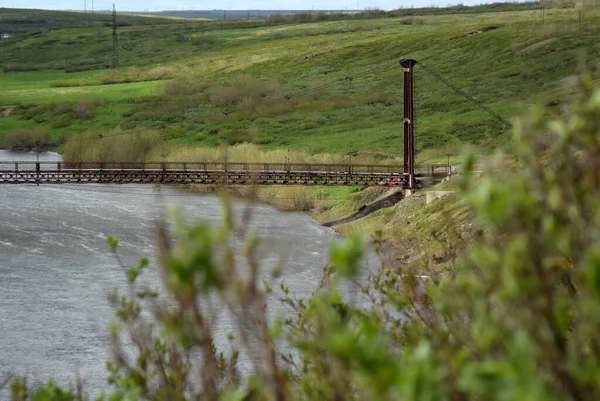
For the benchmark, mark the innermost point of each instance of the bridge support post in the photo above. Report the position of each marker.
(408, 121)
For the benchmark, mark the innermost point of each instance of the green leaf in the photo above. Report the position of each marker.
(113, 243)
(345, 256)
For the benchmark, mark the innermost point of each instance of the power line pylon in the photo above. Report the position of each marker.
(115, 53)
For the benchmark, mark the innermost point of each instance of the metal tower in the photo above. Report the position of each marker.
(409, 121)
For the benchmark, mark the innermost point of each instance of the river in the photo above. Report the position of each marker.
(56, 269)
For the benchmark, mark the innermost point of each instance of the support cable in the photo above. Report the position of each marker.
(465, 94)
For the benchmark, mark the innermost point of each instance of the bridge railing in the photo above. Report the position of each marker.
(424, 170)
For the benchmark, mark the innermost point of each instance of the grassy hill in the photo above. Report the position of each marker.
(206, 83)
(15, 20)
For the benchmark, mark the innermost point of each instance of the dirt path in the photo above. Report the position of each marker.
(365, 210)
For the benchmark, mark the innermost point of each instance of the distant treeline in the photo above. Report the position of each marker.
(220, 15)
(316, 15)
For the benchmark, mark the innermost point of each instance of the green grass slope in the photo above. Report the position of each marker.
(15, 20)
(210, 83)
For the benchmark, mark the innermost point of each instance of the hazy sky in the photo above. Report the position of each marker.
(154, 5)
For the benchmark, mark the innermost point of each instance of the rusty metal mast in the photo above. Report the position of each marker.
(409, 121)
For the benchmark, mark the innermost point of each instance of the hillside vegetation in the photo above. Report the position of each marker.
(332, 86)
(16, 20)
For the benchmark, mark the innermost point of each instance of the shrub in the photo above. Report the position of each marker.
(61, 107)
(183, 87)
(159, 72)
(240, 88)
(61, 124)
(237, 136)
(84, 108)
(26, 140)
(117, 76)
(224, 96)
(14, 67)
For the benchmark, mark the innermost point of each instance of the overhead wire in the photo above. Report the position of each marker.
(464, 94)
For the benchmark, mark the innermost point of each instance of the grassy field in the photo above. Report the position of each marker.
(25, 88)
(207, 84)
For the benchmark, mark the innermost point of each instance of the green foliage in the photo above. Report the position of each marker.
(20, 391)
(113, 243)
(183, 87)
(84, 108)
(346, 257)
(240, 88)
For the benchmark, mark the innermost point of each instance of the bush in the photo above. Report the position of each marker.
(14, 67)
(240, 88)
(61, 124)
(26, 140)
(159, 72)
(118, 76)
(224, 96)
(237, 136)
(183, 87)
(61, 107)
(84, 108)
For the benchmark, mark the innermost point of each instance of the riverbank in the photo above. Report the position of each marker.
(403, 232)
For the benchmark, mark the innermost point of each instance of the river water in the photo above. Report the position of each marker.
(56, 269)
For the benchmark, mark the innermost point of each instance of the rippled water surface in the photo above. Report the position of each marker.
(55, 268)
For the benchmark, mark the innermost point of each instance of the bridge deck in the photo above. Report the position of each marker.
(209, 173)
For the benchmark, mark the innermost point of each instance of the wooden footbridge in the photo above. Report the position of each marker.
(53, 172)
